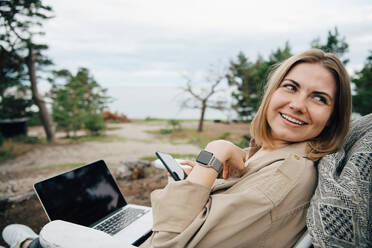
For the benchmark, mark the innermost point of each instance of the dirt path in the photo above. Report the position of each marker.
(137, 143)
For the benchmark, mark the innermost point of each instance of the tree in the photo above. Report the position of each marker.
(279, 55)
(248, 79)
(363, 87)
(334, 44)
(14, 101)
(78, 101)
(20, 22)
(240, 75)
(202, 97)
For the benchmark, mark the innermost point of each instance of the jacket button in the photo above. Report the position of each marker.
(296, 157)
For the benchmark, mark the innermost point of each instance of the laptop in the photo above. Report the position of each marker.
(89, 196)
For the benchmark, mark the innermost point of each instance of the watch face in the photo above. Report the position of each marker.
(204, 157)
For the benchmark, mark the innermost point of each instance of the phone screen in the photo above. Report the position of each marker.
(171, 165)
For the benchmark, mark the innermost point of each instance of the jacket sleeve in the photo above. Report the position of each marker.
(184, 213)
(175, 210)
(177, 205)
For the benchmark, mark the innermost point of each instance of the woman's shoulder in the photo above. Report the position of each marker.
(295, 174)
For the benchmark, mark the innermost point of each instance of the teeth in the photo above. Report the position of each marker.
(292, 120)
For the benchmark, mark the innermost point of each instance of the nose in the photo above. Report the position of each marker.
(298, 103)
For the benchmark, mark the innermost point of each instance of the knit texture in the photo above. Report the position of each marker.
(340, 211)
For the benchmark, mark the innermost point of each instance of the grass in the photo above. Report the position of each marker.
(242, 143)
(225, 135)
(29, 140)
(6, 154)
(66, 166)
(101, 138)
(174, 155)
(153, 119)
(19, 145)
(212, 131)
(113, 128)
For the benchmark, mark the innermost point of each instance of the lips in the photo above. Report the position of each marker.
(292, 120)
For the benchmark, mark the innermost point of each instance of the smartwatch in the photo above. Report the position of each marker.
(207, 159)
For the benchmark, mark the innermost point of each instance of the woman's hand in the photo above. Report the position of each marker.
(187, 169)
(190, 164)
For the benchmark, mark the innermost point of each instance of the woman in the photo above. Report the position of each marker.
(304, 115)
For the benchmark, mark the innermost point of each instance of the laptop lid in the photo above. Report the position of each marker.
(83, 196)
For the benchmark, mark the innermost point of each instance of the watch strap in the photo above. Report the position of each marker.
(216, 164)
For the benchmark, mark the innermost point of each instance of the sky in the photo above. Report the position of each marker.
(141, 50)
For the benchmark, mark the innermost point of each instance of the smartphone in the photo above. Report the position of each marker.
(174, 169)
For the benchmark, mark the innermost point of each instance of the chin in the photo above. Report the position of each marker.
(290, 139)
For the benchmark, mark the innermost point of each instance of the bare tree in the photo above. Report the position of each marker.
(202, 97)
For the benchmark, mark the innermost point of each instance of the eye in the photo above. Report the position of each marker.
(320, 99)
(290, 87)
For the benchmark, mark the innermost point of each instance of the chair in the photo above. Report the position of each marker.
(340, 211)
(305, 241)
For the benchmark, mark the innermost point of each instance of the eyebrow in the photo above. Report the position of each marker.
(316, 92)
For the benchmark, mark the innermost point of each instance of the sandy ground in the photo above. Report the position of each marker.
(19, 174)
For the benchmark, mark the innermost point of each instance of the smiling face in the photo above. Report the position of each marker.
(302, 105)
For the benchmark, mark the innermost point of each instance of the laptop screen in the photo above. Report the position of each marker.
(82, 196)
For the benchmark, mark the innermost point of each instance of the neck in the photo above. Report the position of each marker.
(276, 146)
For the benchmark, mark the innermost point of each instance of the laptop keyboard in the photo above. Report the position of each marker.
(119, 221)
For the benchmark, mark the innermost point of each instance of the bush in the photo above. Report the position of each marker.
(149, 118)
(224, 135)
(115, 117)
(243, 143)
(94, 123)
(176, 124)
(165, 131)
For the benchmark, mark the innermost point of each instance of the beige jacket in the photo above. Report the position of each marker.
(264, 208)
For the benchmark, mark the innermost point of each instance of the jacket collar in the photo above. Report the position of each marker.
(277, 155)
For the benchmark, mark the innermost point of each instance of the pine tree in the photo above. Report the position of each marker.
(363, 81)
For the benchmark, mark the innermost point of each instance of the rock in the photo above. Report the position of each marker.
(123, 172)
(22, 197)
(131, 169)
(8, 199)
(138, 173)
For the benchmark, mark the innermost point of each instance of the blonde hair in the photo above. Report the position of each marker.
(333, 134)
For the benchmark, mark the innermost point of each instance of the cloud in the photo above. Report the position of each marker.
(152, 43)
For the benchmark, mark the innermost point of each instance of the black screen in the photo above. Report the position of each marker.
(82, 196)
(204, 157)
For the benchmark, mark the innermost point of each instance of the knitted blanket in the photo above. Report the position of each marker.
(340, 213)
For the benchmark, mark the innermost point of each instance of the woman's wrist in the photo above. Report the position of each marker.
(202, 175)
(221, 149)
(206, 176)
